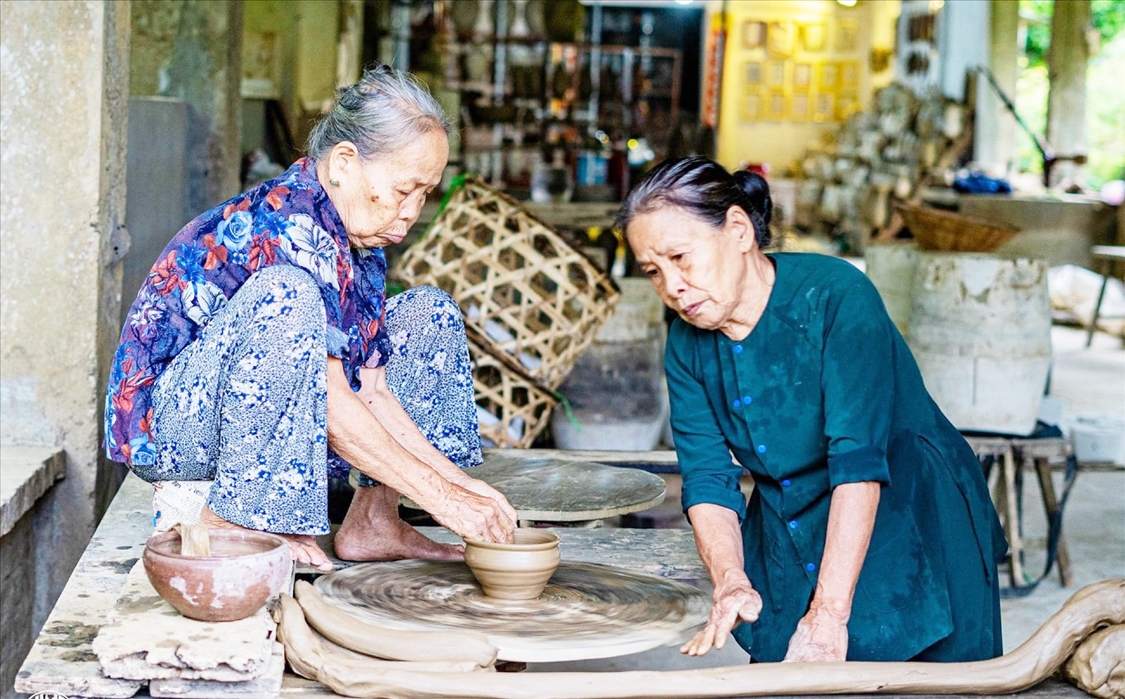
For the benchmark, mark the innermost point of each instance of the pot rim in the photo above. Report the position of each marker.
(548, 540)
(265, 537)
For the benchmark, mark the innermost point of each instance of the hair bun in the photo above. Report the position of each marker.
(757, 192)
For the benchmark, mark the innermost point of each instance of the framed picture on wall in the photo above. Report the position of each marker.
(753, 74)
(750, 109)
(847, 35)
(775, 105)
(799, 104)
(802, 76)
(753, 35)
(780, 39)
(814, 37)
(824, 107)
(775, 74)
(846, 104)
(849, 75)
(827, 77)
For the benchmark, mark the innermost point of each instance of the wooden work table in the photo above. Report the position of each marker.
(62, 659)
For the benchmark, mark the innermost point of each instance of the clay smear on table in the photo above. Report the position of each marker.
(585, 611)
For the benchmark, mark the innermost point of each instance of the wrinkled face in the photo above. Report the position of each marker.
(698, 271)
(379, 199)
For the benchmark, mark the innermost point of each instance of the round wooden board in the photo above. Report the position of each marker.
(586, 611)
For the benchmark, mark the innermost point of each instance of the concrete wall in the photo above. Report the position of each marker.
(63, 121)
(191, 51)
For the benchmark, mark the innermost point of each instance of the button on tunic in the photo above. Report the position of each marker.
(824, 391)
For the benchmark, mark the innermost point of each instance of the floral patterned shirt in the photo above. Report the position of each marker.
(288, 220)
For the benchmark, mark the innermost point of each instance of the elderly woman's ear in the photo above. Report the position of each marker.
(343, 160)
(738, 224)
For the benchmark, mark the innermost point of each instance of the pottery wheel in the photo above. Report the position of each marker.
(586, 611)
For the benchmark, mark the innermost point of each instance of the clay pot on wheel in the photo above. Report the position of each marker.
(517, 571)
(244, 570)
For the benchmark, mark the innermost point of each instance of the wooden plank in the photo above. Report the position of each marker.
(62, 660)
(1053, 688)
(668, 553)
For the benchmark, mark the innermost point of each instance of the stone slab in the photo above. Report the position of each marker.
(147, 639)
(27, 473)
(267, 686)
(62, 659)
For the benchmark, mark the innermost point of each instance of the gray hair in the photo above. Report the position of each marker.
(384, 111)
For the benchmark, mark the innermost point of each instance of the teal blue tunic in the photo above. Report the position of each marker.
(824, 391)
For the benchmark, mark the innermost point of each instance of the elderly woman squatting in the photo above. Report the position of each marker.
(261, 355)
(870, 533)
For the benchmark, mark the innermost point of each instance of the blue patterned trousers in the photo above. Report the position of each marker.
(245, 405)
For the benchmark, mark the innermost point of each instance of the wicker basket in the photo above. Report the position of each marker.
(521, 407)
(525, 293)
(946, 231)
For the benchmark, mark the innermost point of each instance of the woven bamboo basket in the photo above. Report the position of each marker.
(527, 295)
(946, 231)
(521, 407)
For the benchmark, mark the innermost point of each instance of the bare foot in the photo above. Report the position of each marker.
(372, 531)
(302, 547)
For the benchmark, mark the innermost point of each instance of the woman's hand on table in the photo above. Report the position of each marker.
(734, 600)
(821, 636)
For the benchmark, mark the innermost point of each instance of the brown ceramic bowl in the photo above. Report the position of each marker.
(517, 571)
(243, 571)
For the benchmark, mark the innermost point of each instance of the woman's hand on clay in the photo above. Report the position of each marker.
(474, 516)
(821, 637)
(734, 600)
(481, 488)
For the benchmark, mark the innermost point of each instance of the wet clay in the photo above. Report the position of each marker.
(515, 571)
(585, 611)
(312, 659)
(1091, 608)
(194, 539)
(369, 639)
(1098, 666)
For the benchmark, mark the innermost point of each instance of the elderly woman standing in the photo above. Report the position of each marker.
(261, 356)
(870, 534)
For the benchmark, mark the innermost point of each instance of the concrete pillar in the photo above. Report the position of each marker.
(962, 43)
(1066, 104)
(192, 51)
(63, 126)
(995, 142)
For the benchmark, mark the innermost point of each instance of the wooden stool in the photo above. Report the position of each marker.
(1013, 454)
(1106, 254)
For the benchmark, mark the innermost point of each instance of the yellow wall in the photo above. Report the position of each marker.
(781, 144)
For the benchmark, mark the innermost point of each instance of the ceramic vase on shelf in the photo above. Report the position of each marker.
(464, 14)
(519, 27)
(484, 25)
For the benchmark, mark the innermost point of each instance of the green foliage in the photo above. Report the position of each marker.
(1108, 17)
(1105, 114)
(1105, 100)
(1036, 16)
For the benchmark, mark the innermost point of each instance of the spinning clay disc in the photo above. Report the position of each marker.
(586, 610)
